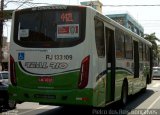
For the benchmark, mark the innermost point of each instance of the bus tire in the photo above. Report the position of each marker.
(124, 94)
(144, 89)
(10, 104)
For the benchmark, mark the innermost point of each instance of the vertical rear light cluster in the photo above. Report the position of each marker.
(12, 71)
(84, 73)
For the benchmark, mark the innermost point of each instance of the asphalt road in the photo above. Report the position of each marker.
(147, 103)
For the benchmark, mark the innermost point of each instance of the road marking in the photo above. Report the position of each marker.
(153, 103)
(146, 112)
(32, 110)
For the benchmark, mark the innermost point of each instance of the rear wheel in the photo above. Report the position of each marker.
(124, 94)
(10, 104)
(144, 89)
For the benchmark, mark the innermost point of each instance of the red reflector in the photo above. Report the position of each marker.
(85, 99)
(46, 79)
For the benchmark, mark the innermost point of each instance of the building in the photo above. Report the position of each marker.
(128, 21)
(5, 55)
(96, 4)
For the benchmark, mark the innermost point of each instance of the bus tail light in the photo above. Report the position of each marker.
(12, 71)
(82, 98)
(84, 73)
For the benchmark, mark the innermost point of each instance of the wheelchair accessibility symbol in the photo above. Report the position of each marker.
(21, 56)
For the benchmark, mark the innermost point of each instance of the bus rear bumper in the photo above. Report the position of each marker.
(52, 97)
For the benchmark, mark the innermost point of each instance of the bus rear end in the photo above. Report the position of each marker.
(48, 61)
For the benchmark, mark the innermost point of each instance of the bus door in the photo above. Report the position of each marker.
(136, 60)
(110, 64)
(136, 68)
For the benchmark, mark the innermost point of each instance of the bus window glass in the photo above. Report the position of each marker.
(140, 51)
(67, 25)
(55, 27)
(120, 44)
(99, 36)
(147, 53)
(128, 47)
(144, 52)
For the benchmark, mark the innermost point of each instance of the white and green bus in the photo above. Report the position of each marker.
(74, 55)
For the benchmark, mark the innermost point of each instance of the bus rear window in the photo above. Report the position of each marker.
(56, 28)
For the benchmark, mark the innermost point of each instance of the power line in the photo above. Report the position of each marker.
(150, 20)
(135, 5)
(23, 2)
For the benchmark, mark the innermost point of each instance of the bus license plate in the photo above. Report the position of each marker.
(46, 79)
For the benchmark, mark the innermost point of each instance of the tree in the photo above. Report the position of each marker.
(1, 28)
(153, 39)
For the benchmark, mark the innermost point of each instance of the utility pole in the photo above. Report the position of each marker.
(1, 29)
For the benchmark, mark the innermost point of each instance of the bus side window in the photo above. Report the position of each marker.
(99, 36)
(128, 47)
(147, 53)
(119, 44)
(140, 51)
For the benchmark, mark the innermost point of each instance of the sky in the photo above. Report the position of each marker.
(147, 16)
